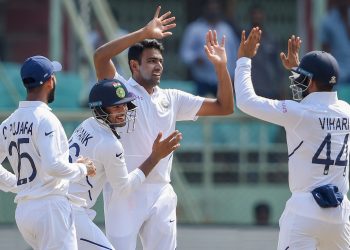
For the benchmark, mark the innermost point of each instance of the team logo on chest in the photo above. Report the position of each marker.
(164, 103)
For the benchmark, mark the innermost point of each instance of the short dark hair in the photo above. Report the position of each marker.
(136, 50)
(323, 87)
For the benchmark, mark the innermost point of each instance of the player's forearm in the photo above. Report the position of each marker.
(147, 166)
(116, 46)
(124, 183)
(260, 107)
(103, 55)
(243, 85)
(225, 90)
(66, 170)
(223, 104)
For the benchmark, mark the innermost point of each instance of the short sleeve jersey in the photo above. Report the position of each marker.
(156, 113)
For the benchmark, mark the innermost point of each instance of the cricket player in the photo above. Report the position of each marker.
(34, 142)
(317, 127)
(150, 210)
(98, 138)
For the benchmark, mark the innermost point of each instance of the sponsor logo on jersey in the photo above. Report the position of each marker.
(284, 107)
(49, 133)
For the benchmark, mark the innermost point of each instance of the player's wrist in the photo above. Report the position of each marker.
(154, 158)
(143, 33)
(220, 66)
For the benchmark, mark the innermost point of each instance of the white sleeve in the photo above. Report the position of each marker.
(8, 181)
(53, 149)
(122, 182)
(186, 105)
(285, 113)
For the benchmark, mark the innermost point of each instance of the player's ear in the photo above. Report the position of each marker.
(134, 65)
(50, 83)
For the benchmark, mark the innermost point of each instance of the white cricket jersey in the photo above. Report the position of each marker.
(8, 181)
(97, 142)
(156, 113)
(317, 131)
(34, 142)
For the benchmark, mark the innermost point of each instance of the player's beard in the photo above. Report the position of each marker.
(148, 79)
(51, 96)
(150, 83)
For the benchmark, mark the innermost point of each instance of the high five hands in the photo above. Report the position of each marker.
(159, 26)
(249, 47)
(292, 58)
(215, 52)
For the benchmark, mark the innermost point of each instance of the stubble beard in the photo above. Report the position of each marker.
(51, 96)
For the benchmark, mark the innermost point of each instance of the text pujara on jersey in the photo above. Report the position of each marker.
(19, 128)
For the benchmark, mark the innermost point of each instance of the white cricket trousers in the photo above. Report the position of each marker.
(47, 223)
(89, 235)
(149, 212)
(303, 233)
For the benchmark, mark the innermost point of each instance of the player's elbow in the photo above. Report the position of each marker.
(98, 56)
(229, 110)
(244, 106)
(240, 104)
(101, 56)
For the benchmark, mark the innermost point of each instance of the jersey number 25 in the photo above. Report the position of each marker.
(21, 156)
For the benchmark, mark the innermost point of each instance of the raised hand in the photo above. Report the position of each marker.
(163, 148)
(159, 26)
(292, 58)
(249, 47)
(216, 53)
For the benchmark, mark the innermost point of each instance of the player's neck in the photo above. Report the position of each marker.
(148, 87)
(37, 97)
